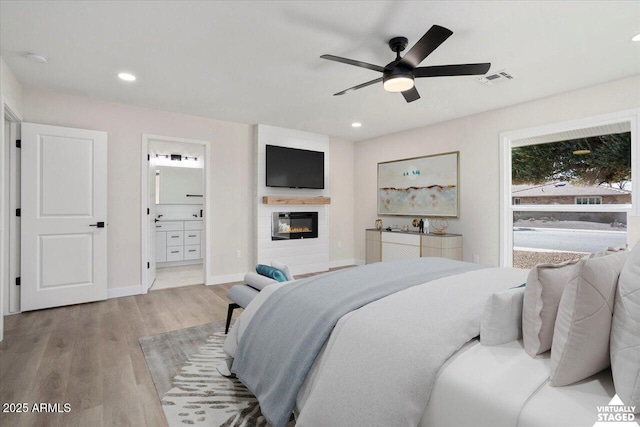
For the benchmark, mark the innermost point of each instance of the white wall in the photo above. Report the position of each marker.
(232, 187)
(10, 97)
(231, 166)
(10, 88)
(477, 139)
(341, 210)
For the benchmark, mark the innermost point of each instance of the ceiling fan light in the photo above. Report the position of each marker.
(398, 83)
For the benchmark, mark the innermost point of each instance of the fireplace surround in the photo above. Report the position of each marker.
(294, 225)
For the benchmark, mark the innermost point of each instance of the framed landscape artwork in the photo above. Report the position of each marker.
(421, 186)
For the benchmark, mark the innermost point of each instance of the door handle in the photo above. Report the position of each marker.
(156, 220)
(99, 224)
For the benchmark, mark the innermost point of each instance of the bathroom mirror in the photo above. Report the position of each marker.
(180, 186)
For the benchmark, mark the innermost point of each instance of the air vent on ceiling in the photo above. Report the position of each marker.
(494, 78)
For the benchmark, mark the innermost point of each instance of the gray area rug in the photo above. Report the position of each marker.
(192, 392)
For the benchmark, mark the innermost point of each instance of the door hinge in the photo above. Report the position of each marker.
(17, 281)
(18, 212)
(148, 264)
(18, 143)
(148, 211)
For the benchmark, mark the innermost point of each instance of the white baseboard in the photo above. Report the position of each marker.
(124, 292)
(359, 262)
(229, 278)
(342, 263)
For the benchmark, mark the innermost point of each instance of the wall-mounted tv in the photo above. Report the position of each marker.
(294, 168)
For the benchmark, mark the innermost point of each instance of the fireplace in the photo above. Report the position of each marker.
(294, 225)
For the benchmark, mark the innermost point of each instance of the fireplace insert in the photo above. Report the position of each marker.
(294, 225)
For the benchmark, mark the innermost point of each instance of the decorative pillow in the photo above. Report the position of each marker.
(284, 268)
(502, 318)
(581, 336)
(542, 294)
(268, 271)
(625, 332)
(607, 251)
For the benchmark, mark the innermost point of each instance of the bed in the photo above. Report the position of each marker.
(503, 386)
(412, 358)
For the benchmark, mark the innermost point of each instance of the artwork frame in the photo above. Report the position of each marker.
(425, 186)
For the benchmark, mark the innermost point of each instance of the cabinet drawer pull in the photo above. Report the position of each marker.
(192, 250)
(175, 252)
(174, 237)
(158, 226)
(192, 235)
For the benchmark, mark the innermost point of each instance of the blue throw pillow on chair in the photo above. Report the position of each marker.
(271, 272)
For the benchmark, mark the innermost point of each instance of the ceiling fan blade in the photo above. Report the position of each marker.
(360, 86)
(411, 94)
(452, 70)
(353, 62)
(427, 44)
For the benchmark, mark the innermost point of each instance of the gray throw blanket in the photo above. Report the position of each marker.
(284, 337)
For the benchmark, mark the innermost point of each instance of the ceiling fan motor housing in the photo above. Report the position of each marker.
(398, 44)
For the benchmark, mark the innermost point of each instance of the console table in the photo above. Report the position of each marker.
(383, 245)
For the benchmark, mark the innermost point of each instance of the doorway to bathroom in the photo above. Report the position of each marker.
(175, 214)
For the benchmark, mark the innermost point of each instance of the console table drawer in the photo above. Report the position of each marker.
(394, 251)
(403, 239)
(441, 242)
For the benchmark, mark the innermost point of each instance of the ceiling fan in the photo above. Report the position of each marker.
(399, 74)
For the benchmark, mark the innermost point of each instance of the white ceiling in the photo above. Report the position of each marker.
(258, 62)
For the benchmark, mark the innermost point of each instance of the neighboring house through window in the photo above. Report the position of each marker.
(589, 200)
(561, 200)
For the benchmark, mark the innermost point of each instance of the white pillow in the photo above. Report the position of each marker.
(502, 318)
(625, 332)
(282, 267)
(581, 336)
(607, 251)
(542, 294)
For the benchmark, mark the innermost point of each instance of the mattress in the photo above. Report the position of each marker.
(501, 386)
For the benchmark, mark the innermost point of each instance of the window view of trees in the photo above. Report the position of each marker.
(589, 161)
(586, 173)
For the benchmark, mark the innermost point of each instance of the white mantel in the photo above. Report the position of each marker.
(304, 255)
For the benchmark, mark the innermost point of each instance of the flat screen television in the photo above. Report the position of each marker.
(294, 168)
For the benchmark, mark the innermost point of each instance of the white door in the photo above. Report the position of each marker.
(64, 216)
(151, 223)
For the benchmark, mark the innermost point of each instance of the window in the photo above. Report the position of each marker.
(589, 200)
(547, 222)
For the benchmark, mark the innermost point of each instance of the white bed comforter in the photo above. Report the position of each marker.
(380, 362)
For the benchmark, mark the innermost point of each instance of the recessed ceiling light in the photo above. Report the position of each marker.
(356, 124)
(34, 57)
(636, 38)
(127, 77)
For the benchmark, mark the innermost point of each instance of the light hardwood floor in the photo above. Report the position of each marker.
(88, 355)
